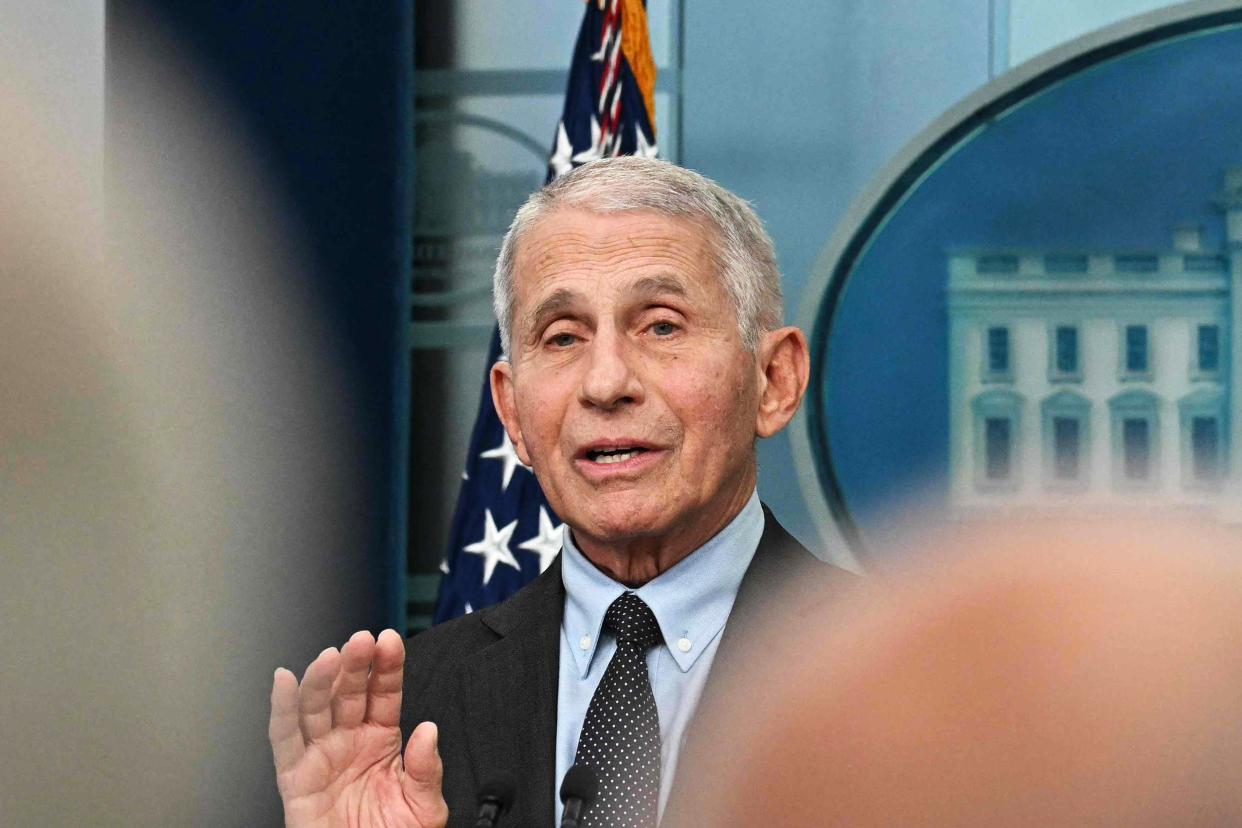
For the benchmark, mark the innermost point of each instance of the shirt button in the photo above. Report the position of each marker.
(683, 644)
(585, 642)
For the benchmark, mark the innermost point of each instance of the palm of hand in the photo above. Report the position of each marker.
(337, 743)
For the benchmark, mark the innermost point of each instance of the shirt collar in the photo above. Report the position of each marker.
(691, 601)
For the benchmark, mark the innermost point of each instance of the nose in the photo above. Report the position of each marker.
(609, 378)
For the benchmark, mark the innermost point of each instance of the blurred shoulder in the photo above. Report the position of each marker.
(782, 560)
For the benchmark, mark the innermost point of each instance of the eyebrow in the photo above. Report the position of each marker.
(557, 302)
(655, 285)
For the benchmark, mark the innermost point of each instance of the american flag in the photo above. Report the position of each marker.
(504, 533)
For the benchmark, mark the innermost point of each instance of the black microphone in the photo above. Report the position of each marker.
(577, 792)
(495, 797)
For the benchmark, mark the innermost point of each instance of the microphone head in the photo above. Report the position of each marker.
(580, 782)
(500, 790)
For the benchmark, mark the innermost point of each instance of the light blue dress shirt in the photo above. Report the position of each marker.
(691, 602)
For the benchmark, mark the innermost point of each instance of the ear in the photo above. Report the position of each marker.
(501, 378)
(784, 366)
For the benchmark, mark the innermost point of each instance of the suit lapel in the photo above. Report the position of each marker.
(511, 696)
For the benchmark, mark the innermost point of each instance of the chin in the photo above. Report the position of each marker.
(610, 523)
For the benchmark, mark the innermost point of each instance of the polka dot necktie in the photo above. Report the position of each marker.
(621, 734)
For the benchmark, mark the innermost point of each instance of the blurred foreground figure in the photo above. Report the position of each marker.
(162, 521)
(1087, 675)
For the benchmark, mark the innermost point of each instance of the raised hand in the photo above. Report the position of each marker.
(336, 739)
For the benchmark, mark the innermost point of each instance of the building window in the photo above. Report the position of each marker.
(1066, 442)
(999, 448)
(1205, 448)
(998, 350)
(1208, 349)
(1067, 349)
(996, 362)
(1063, 354)
(1067, 424)
(1136, 349)
(1060, 263)
(1136, 445)
(1136, 440)
(1135, 353)
(1001, 263)
(1205, 264)
(1137, 263)
(1203, 438)
(997, 445)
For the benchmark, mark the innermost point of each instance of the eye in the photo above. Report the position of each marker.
(562, 340)
(663, 328)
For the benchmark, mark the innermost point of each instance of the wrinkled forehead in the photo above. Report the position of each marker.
(568, 239)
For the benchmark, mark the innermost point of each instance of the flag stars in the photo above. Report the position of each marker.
(642, 149)
(507, 455)
(597, 148)
(561, 161)
(547, 544)
(494, 547)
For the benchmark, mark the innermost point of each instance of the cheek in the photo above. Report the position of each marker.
(718, 406)
(540, 418)
(538, 428)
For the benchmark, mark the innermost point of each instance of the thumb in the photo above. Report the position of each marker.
(424, 773)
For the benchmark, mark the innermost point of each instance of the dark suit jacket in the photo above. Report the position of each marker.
(489, 679)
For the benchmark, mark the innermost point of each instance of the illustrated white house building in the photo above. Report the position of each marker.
(1089, 379)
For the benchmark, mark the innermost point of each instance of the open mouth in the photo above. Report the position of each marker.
(616, 454)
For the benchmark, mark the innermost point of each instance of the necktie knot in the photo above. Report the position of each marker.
(632, 622)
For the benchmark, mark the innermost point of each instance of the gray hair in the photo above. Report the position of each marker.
(744, 252)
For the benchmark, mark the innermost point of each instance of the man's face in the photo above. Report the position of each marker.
(628, 390)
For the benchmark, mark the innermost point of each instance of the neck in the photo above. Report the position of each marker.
(634, 561)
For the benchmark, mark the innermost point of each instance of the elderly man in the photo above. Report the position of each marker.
(640, 307)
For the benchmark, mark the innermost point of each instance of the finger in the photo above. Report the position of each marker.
(315, 694)
(349, 692)
(282, 728)
(384, 686)
(424, 773)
